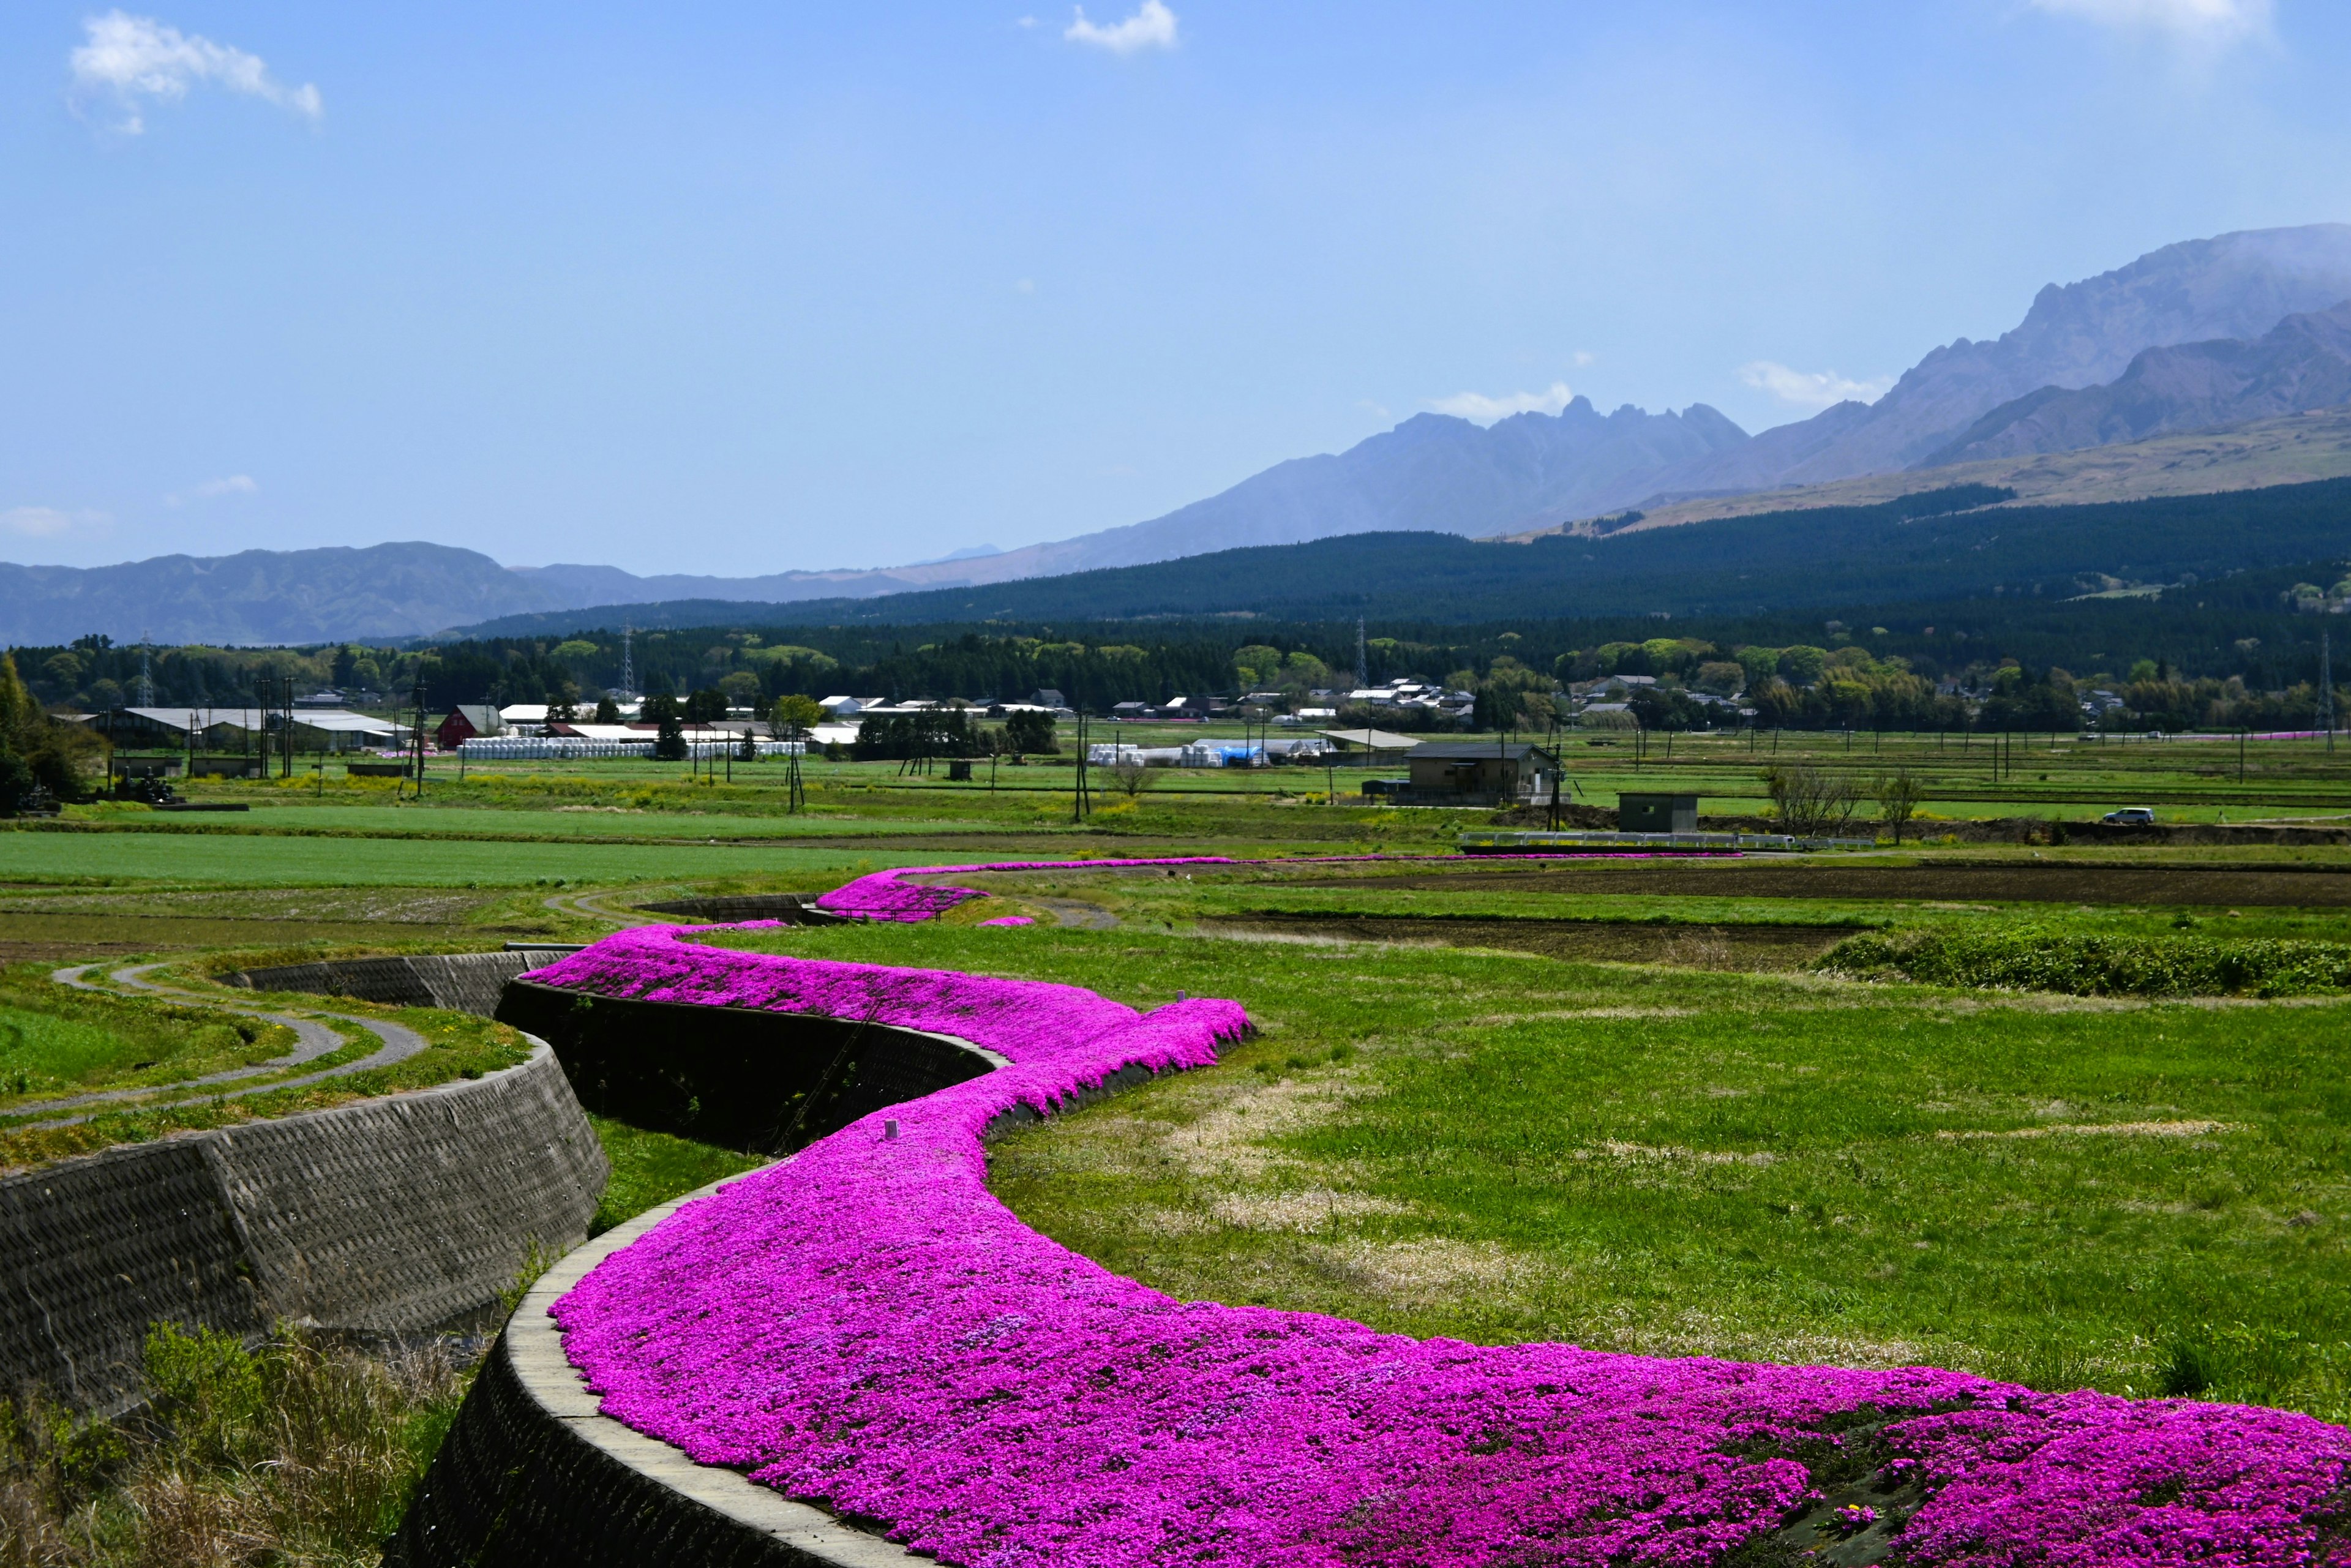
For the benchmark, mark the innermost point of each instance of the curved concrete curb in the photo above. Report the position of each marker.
(392, 1214)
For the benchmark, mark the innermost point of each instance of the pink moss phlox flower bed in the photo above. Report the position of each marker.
(865, 1327)
(887, 895)
(1011, 920)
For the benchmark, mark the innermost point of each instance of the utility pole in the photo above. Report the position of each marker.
(2326, 686)
(416, 739)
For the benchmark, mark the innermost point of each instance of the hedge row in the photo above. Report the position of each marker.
(2031, 959)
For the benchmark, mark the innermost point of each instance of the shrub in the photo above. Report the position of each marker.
(2030, 958)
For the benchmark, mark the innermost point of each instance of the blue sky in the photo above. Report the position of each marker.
(740, 288)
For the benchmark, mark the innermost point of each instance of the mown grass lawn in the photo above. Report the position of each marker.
(2152, 1199)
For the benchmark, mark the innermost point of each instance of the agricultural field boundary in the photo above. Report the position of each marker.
(395, 1213)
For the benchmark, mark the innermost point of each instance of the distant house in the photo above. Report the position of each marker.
(1479, 772)
(1046, 696)
(840, 707)
(528, 717)
(465, 721)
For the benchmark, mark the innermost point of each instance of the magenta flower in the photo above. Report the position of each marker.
(867, 1327)
(1011, 920)
(887, 895)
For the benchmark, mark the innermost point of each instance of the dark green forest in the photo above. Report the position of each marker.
(1919, 549)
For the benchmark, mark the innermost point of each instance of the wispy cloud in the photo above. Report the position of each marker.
(52, 522)
(234, 485)
(2200, 23)
(1152, 27)
(1811, 389)
(1480, 409)
(137, 60)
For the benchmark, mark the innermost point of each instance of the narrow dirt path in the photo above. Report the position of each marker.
(313, 1040)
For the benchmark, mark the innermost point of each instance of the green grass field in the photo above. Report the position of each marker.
(259, 860)
(56, 1041)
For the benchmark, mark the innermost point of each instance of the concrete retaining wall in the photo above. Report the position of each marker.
(760, 1081)
(461, 982)
(790, 908)
(393, 1214)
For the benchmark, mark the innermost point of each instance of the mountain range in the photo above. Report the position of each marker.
(2206, 334)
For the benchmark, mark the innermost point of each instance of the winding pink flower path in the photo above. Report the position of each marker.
(867, 1327)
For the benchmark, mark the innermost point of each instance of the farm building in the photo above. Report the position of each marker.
(239, 728)
(1657, 813)
(466, 722)
(1478, 772)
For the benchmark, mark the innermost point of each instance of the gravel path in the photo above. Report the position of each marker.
(313, 1040)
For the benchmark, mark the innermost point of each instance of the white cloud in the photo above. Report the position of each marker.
(51, 522)
(2198, 22)
(136, 59)
(1153, 27)
(1582, 357)
(1480, 409)
(235, 484)
(1811, 389)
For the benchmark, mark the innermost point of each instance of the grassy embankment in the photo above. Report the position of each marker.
(56, 1042)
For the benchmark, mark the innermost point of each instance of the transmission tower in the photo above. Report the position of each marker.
(628, 665)
(1362, 669)
(146, 671)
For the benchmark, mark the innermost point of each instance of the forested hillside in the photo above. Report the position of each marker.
(1921, 547)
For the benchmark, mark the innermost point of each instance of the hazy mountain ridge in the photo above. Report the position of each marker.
(264, 596)
(2301, 364)
(2076, 335)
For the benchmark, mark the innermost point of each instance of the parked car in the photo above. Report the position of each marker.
(2131, 816)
